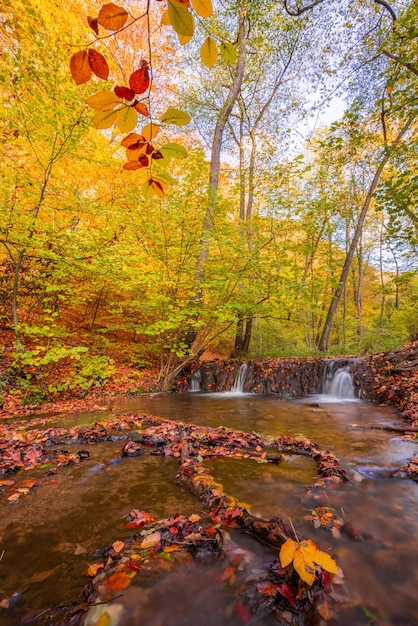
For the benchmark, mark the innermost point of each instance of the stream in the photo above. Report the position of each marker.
(50, 536)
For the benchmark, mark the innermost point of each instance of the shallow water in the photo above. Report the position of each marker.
(50, 535)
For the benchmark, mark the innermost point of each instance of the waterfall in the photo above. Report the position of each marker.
(238, 386)
(338, 383)
(196, 381)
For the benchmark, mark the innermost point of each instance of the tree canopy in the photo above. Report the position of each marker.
(159, 198)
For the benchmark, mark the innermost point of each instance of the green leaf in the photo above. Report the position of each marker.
(173, 150)
(180, 18)
(209, 52)
(175, 116)
(228, 52)
(167, 178)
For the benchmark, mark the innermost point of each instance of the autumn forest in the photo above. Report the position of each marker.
(169, 185)
(208, 260)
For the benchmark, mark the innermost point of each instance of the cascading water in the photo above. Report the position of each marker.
(338, 382)
(196, 381)
(238, 386)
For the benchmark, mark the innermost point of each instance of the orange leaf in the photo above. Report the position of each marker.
(14, 496)
(152, 540)
(194, 517)
(117, 582)
(80, 67)
(150, 131)
(112, 17)
(118, 546)
(132, 165)
(98, 64)
(142, 109)
(172, 548)
(131, 139)
(93, 569)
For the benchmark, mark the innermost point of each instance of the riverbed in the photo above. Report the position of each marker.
(50, 535)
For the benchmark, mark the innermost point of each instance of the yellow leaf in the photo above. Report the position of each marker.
(126, 119)
(202, 7)
(104, 119)
(180, 18)
(287, 552)
(209, 52)
(152, 540)
(303, 569)
(325, 561)
(103, 101)
(165, 19)
(183, 39)
(150, 131)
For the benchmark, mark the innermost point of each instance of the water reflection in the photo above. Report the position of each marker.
(50, 536)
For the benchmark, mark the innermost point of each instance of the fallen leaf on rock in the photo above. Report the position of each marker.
(150, 541)
(104, 615)
(118, 546)
(93, 569)
(118, 581)
(305, 556)
(14, 497)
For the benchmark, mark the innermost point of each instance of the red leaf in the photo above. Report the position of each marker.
(174, 530)
(98, 64)
(93, 23)
(124, 92)
(210, 531)
(243, 613)
(133, 565)
(139, 80)
(80, 67)
(226, 574)
(286, 593)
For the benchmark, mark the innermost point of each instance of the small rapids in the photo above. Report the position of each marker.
(50, 536)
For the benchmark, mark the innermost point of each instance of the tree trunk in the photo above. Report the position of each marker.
(386, 154)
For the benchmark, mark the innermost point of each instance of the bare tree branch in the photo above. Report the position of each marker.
(296, 11)
(387, 6)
